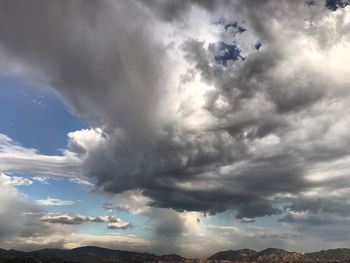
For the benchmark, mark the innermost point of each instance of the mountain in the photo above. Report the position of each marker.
(269, 255)
(277, 255)
(103, 255)
(84, 255)
(340, 254)
(98, 254)
(234, 255)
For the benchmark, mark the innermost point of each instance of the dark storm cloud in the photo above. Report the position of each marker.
(98, 55)
(336, 206)
(334, 227)
(172, 10)
(264, 132)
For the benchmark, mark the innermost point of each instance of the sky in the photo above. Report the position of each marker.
(187, 126)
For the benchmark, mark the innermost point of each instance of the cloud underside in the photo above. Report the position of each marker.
(65, 219)
(257, 136)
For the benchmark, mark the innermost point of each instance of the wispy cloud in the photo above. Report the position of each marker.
(54, 202)
(41, 179)
(16, 181)
(15, 157)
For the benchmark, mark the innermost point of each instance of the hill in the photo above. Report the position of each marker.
(103, 255)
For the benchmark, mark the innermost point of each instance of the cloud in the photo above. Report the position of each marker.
(120, 225)
(73, 240)
(116, 82)
(231, 137)
(54, 202)
(41, 179)
(170, 11)
(66, 219)
(246, 220)
(16, 181)
(19, 216)
(15, 157)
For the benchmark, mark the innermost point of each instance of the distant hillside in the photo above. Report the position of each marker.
(340, 254)
(275, 255)
(87, 254)
(91, 254)
(234, 255)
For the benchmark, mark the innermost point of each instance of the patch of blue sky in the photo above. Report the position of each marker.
(35, 116)
(333, 5)
(258, 45)
(102, 229)
(228, 219)
(228, 49)
(237, 28)
(86, 202)
(226, 53)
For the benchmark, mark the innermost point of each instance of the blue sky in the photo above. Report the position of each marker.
(35, 115)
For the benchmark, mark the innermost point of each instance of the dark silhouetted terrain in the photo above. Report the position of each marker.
(102, 255)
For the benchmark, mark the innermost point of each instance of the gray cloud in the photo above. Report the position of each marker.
(19, 217)
(170, 10)
(269, 119)
(92, 53)
(65, 219)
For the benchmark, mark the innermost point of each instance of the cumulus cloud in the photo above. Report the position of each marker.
(178, 128)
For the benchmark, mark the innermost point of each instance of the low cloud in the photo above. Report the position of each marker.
(66, 219)
(19, 216)
(119, 225)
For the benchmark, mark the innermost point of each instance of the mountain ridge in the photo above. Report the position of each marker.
(96, 254)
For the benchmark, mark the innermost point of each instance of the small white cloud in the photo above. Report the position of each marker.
(41, 179)
(54, 202)
(16, 181)
(80, 181)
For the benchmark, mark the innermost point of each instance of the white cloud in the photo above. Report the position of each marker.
(41, 179)
(16, 158)
(54, 202)
(80, 181)
(16, 180)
